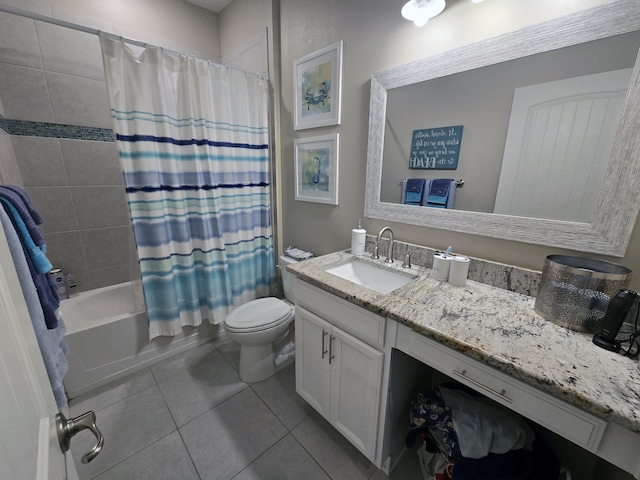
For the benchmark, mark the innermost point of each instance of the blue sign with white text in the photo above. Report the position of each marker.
(436, 148)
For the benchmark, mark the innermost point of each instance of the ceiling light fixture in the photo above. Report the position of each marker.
(420, 11)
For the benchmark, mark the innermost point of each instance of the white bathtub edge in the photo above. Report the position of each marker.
(187, 344)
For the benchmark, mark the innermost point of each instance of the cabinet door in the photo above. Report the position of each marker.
(312, 365)
(356, 376)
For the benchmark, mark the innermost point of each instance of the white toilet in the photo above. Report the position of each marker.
(264, 330)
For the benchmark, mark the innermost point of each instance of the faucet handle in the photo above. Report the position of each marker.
(375, 255)
(407, 261)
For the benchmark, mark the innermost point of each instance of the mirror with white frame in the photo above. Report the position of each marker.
(584, 37)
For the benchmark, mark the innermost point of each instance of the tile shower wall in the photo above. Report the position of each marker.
(56, 115)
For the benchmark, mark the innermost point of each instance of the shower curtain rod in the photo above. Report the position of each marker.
(93, 31)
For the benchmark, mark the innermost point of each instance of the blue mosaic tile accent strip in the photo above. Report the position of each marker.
(56, 130)
(3, 124)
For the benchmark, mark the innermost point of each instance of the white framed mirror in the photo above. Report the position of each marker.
(617, 202)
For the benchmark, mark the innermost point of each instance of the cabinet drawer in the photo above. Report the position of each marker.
(364, 325)
(572, 423)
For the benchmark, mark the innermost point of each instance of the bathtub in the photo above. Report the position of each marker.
(108, 338)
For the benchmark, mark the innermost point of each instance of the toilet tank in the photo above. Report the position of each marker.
(288, 280)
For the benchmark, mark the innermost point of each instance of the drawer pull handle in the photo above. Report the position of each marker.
(500, 393)
(324, 351)
(331, 355)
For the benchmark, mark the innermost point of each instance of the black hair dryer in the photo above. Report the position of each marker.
(617, 311)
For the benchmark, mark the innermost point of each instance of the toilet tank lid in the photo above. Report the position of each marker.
(260, 312)
(286, 260)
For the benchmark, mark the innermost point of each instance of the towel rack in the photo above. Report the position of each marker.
(459, 183)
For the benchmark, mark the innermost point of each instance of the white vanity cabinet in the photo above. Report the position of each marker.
(574, 424)
(339, 364)
(360, 370)
(607, 440)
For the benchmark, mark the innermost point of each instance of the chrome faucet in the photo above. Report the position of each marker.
(389, 258)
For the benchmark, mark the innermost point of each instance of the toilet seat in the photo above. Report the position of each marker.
(257, 315)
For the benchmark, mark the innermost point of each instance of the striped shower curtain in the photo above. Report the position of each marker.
(193, 144)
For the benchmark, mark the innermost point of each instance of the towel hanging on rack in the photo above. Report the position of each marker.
(441, 193)
(51, 341)
(413, 191)
(24, 222)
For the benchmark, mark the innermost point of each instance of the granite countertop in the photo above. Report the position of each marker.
(501, 329)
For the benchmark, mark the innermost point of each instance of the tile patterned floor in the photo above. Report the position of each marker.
(191, 418)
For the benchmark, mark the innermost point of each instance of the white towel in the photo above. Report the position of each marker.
(484, 427)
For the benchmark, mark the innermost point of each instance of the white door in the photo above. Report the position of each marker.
(312, 360)
(29, 446)
(558, 146)
(356, 377)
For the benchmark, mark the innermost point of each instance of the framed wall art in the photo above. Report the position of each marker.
(317, 83)
(316, 169)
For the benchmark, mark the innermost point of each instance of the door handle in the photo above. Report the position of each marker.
(324, 352)
(500, 394)
(331, 355)
(68, 428)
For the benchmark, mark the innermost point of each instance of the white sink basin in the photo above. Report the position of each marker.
(371, 276)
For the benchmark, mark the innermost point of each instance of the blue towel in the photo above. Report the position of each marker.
(27, 202)
(40, 261)
(439, 191)
(20, 200)
(37, 261)
(414, 191)
(52, 343)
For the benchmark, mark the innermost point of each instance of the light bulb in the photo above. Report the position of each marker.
(409, 10)
(420, 11)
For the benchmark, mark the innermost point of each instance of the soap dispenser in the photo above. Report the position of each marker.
(358, 239)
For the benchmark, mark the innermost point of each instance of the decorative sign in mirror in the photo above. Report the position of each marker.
(587, 62)
(436, 148)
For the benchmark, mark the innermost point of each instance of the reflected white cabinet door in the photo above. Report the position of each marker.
(558, 146)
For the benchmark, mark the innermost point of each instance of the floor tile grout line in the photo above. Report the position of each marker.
(166, 404)
(212, 408)
(272, 411)
(267, 451)
(147, 446)
(181, 372)
(124, 398)
(287, 432)
(195, 467)
(267, 406)
(176, 427)
(315, 460)
(228, 359)
(132, 455)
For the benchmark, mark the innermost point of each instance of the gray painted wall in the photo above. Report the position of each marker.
(375, 38)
